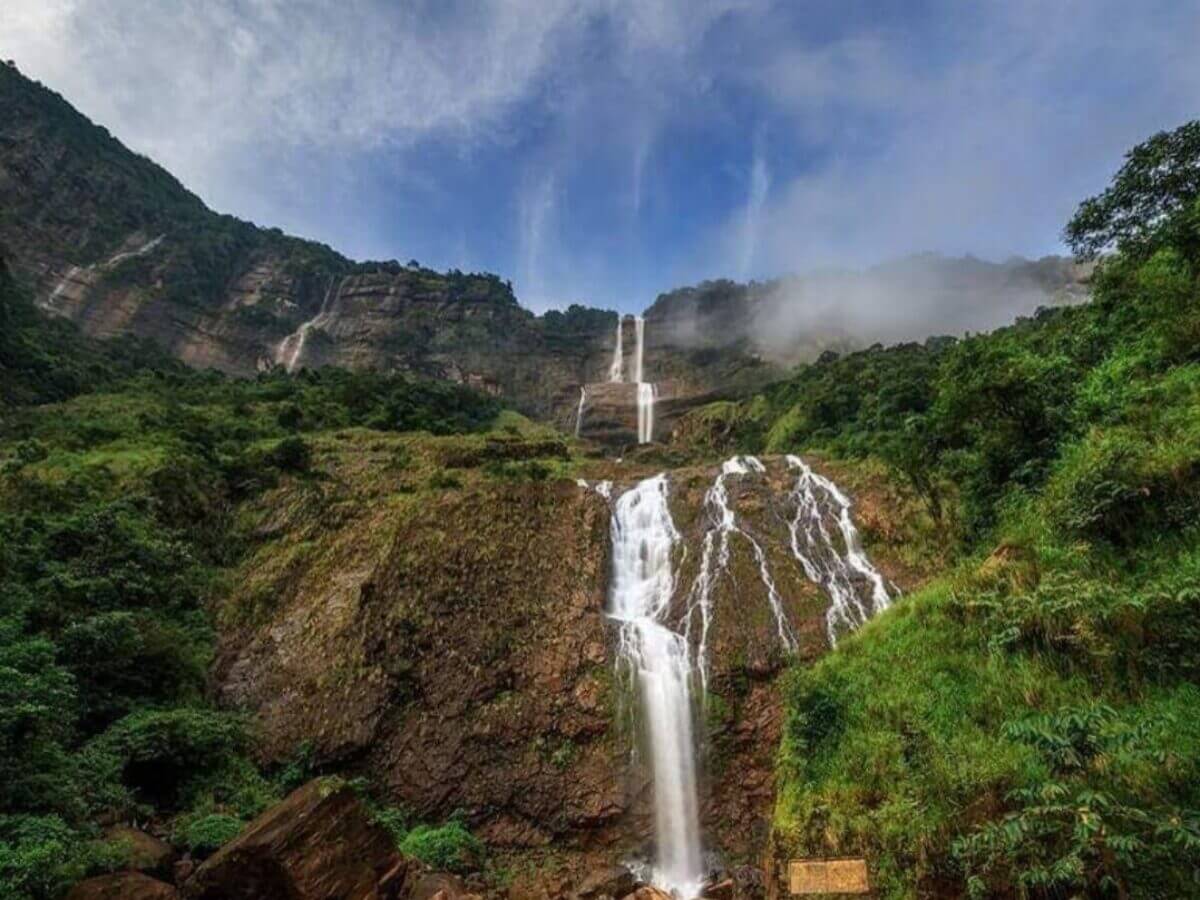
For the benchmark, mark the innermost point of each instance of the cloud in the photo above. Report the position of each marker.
(759, 184)
(893, 128)
(535, 213)
(981, 142)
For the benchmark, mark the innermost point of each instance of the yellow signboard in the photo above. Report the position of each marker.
(828, 876)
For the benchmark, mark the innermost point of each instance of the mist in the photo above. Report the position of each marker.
(794, 319)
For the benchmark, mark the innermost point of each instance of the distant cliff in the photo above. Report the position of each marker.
(107, 238)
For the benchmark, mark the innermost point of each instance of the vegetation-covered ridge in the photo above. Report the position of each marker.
(119, 526)
(1025, 725)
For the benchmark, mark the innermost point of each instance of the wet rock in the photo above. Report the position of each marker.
(146, 852)
(607, 882)
(317, 844)
(646, 892)
(123, 886)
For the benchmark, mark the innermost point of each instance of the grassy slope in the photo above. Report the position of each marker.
(1023, 726)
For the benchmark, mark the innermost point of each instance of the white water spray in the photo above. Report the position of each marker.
(836, 571)
(643, 583)
(616, 370)
(290, 350)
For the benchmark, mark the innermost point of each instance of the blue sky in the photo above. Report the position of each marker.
(604, 150)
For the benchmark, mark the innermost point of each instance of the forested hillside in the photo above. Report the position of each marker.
(1025, 725)
(121, 475)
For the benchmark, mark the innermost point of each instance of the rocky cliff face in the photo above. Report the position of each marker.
(110, 240)
(107, 238)
(448, 637)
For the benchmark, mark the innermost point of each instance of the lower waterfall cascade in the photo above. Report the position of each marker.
(663, 645)
(643, 583)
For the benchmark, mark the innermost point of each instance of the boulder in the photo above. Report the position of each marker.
(646, 892)
(606, 882)
(440, 886)
(720, 890)
(317, 844)
(146, 852)
(123, 886)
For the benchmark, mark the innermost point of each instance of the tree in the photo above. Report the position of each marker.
(1159, 181)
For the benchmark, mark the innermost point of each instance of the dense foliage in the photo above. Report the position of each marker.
(117, 521)
(1024, 726)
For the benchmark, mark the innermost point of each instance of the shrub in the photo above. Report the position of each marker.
(159, 751)
(292, 454)
(450, 847)
(40, 856)
(205, 834)
(120, 662)
(444, 481)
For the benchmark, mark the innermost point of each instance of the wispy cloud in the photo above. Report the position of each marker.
(535, 215)
(759, 183)
(930, 126)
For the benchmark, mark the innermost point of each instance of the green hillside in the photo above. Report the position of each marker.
(1025, 725)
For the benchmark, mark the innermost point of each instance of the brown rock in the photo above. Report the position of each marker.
(646, 892)
(317, 844)
(146, 852)
(609, 881)
(539, 886)
(440, 886)
(123, 886)
(183, 870)
(722, 890)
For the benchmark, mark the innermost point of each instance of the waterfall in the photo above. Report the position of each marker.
(138, 251)
(110, 263)
(645, 412)
(645, 390)
(643, 583)
(639, 329)
(816, 497)
(616, 370)
(291, 349)
(579, 412)
(61, 286)
(714, 559)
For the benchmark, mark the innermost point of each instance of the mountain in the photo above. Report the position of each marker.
(795, 319)
(107, 238)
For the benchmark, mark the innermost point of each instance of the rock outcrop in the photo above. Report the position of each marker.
(122, 886)
(317, 844)
(146, 853)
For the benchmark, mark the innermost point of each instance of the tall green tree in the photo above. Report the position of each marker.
(1149, 197)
